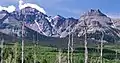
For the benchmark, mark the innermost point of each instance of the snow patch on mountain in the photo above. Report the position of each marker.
(56, 17)
(49, 19)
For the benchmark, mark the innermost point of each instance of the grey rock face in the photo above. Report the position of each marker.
(58, 26)
(97, 23)
(61, 26)
(37, 21)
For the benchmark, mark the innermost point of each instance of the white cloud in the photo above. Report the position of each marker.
(10, 8)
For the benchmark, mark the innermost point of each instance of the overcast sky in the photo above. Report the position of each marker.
(72, 8)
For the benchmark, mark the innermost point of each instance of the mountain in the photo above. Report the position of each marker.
(37, 21)
(58, 27)
(98, 24)
(62, 25)
(116, 22)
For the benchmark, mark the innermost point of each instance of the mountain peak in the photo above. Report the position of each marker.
(29, 9)
(94, 12)
(58, 17)
(23, 5)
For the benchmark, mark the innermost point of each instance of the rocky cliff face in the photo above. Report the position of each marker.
(62, 25)
(58, 26)
(97, 23)
(37, 21)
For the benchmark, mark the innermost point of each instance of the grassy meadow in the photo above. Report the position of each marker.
(43, 54)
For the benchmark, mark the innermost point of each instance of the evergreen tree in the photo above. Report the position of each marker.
(44, 61)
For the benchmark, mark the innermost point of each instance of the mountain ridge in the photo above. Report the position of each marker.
(57, 26)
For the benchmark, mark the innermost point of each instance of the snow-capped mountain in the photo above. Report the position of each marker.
(38, 21)
(58, 26)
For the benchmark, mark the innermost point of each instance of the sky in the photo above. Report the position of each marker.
(72, 8)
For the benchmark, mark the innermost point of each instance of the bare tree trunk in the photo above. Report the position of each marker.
(101, 55)
(69, 50)
(98, 48)
(85, 45)
(2, 41)
(72, 50)
(22, 43)
(60, 53)
(34, 48)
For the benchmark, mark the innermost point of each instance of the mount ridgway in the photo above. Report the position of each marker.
(38, 23)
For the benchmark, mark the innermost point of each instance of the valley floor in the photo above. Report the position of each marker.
(42, 54)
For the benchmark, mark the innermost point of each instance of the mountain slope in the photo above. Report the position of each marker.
(97, 23)
(58, 26)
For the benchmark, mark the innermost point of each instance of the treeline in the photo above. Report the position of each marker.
(39, 54)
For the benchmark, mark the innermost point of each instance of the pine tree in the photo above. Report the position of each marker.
(16, 51)
(44, 61)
